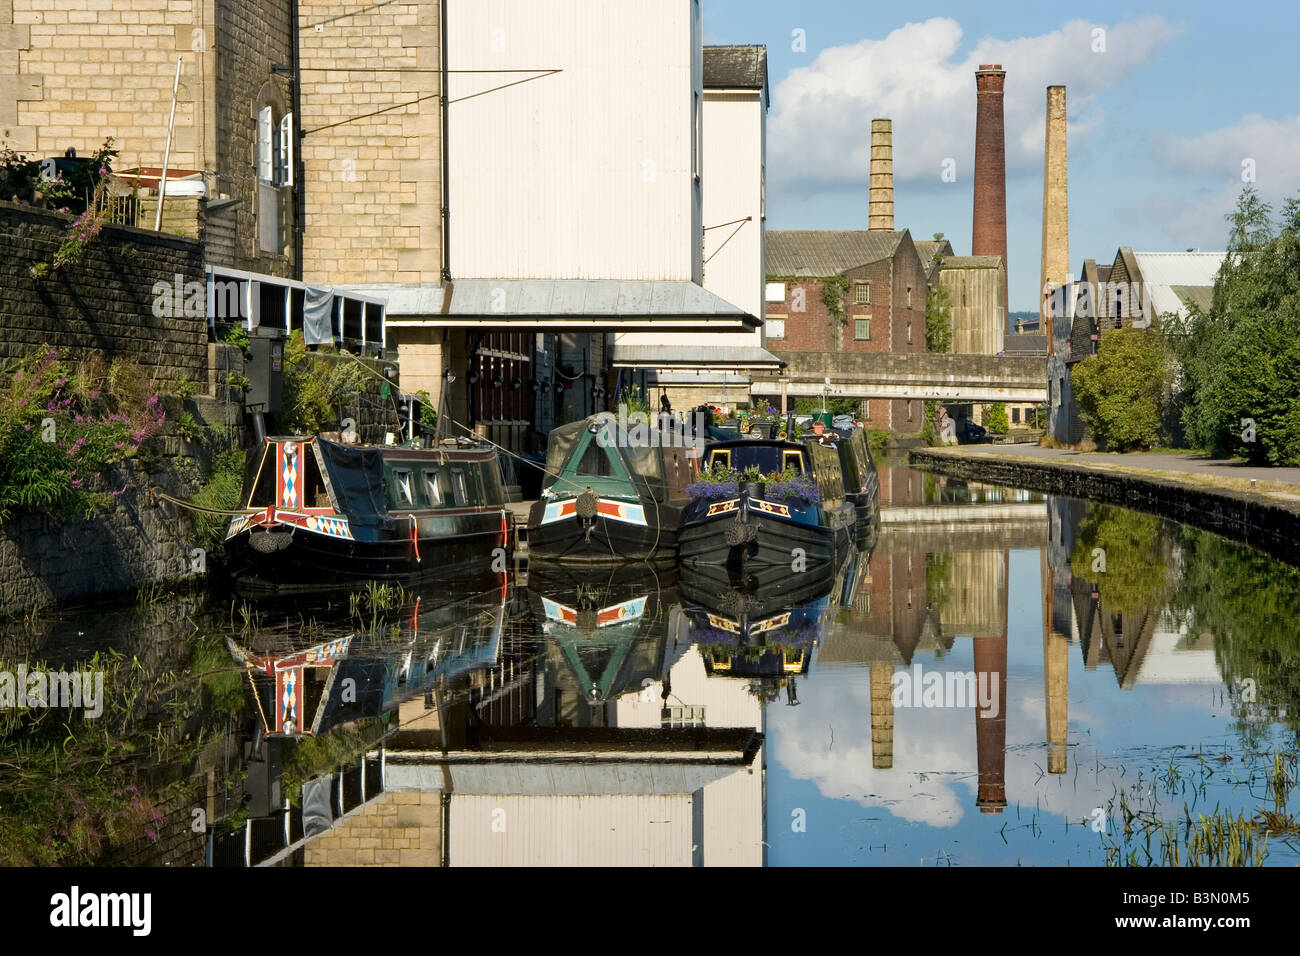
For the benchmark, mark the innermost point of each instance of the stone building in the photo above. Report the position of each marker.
(881, 308)
(975, 285)
(73, 73)
(1136, 289)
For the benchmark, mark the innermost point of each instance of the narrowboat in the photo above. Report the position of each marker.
(606, 636)
(767, 509)
(309, 691)
(320, 515)
(612, 493)
(861, 482)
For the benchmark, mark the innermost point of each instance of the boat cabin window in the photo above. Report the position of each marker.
(792, 459)
(315, 494)
(720, 457)
(263, 493)
(434, 491)
(595, 462)
(403, 495)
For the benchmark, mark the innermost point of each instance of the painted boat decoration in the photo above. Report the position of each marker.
(323, 515)
(310, 691)
(761, 533)
(607, 637)
(612, 493)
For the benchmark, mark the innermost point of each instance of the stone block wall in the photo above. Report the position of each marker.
(395, 829)
(104, 303)
(375, 194)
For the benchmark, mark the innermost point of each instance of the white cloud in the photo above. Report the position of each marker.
(820, 128)
(1267, 149)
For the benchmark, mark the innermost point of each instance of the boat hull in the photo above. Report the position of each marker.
(763, 544)
(620, 532)
(284, 558)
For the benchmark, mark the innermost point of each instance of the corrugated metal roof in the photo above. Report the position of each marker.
(563, 302)
(740, 67)
(694, 356)
(1200, 296)
(816, 253)
(1162, 271)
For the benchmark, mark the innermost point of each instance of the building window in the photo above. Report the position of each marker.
(909, 409)
(862, 329)
(776, 326)
(909, 331)
(909, 296)
(862, 293)
(1015, 416)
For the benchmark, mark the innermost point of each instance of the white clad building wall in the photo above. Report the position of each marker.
(735, 134)
(588, 173)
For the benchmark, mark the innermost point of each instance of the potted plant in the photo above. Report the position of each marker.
(753, 482)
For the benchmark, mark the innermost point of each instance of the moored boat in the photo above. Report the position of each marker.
(613, 492)
(322, 515)
(767, 509)
(861, 481)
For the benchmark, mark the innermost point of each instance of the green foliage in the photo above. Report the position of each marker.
(428, 414)
(59, 429)
(185, 388)
(1241, 359)
(223, 492)
(995, 418)
(188, 427)
(236, 335)
(635, 400)
(1138, 577)
(834, 289)
(811, 405)
(938, 318)
(1123, 390)
(315, 387)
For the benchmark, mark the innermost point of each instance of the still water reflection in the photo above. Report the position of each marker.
(1001, 678)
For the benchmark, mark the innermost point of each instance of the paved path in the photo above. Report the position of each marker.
(1189, 464)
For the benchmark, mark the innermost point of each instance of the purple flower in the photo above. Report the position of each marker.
(18, 377)
(27, 427)
(95, 394)
(76, 483)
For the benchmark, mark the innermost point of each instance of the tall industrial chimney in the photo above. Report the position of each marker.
(989, 232)
(881, 213)
(1056, 211)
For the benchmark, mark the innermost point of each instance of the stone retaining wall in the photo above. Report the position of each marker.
(1256, 520)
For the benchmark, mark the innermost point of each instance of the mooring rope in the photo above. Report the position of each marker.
(156, 492)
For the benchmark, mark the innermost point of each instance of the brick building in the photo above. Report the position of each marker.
(882, 308)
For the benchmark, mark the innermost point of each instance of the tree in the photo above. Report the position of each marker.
(1240, 359)
(1121, 390)
(995, 418)
(938, 316)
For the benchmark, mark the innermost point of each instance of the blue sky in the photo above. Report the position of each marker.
(1163, 112)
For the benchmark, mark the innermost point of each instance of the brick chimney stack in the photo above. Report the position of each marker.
(881, 212)
(989, 232)
(1056, 210)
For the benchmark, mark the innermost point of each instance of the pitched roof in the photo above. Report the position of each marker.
(972, 262)
(927, 249)
(822, 252)
(742, 67)
(1024, 343)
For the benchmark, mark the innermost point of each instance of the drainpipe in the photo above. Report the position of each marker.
(442, 99)
(299, 203)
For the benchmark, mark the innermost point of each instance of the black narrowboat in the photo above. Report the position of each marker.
(322, 515)
(861, 481)
(779, 509)
(613, 492)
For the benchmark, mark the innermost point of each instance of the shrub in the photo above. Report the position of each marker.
(995, 419)
(1122, 389)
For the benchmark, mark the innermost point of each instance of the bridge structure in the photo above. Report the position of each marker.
(907, 375)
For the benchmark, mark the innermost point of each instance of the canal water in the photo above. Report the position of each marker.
(997, 678)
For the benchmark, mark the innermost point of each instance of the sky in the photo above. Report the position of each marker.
(1171, 108)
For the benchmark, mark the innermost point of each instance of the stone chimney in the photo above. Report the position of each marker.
(989, 232)
(881, 213)
(1056, 210)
